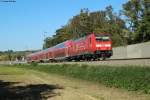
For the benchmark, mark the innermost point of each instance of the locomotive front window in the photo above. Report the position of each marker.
(104, 38)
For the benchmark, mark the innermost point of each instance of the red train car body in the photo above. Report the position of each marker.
(90, 47)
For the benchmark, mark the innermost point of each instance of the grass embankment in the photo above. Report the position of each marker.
(131, 78)
(7, 70)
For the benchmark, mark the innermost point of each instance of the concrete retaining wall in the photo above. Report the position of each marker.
(141, 50)
(119, 52)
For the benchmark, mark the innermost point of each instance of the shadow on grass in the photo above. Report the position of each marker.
(29, 92)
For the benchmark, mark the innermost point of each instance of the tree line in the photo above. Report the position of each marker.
(131, 25)
(11, 55)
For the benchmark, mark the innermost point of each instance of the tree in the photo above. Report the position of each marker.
(62, 35)
(137, 13)
(9, 52)
(98, 21)
(144, 25)
(133, 11)
(80, 24)
(116, 27)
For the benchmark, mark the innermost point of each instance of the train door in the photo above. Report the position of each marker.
(70, 49)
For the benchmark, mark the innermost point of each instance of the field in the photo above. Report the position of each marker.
(72, 82)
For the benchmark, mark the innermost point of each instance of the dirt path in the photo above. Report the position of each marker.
(63, 88)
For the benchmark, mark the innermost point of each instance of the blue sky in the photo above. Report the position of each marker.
(25, 23)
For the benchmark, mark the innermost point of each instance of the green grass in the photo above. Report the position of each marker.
(9, 70)
(132, 78)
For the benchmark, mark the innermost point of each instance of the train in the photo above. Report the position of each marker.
(90, 47)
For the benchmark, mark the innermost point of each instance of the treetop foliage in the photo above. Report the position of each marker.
(133, 27)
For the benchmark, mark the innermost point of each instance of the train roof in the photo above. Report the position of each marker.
(102, 34)
(60, 45)
(63, 44)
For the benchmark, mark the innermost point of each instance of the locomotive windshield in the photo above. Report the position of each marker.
(102, 38)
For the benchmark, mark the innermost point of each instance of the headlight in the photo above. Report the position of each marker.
(107, 45)
(98, 45)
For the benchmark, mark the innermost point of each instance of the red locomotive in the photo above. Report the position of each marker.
(90, 47)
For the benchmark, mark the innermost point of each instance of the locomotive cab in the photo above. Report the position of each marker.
(103, 46)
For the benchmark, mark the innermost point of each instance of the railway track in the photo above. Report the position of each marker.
(111, 62)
